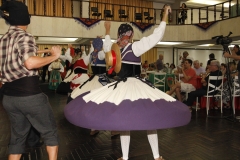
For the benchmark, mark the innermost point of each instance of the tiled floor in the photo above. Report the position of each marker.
(203, 138)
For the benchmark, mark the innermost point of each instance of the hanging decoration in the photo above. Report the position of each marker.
(205, 25)
(87, 22)
(142, 26)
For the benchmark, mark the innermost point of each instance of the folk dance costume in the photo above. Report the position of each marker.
(80, 69)
(55, 78)
(67, 60)
(75, 76)
(98, 66)
(130, 103)
(98, 79)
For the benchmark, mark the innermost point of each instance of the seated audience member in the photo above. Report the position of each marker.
(225, 94)
(167, 65)
(145, 65)
(214, 69)
(173, 68)
(223, 67)
(152, 66)
(198, 69)
(187, 83)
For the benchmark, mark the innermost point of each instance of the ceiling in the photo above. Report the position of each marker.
(190, 3)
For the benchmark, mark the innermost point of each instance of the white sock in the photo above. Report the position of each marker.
(125, 142)
(153, 140)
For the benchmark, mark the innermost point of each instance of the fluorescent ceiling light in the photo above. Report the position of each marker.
(206, 45)
(112, 40)
(207, 2)
(56, 39)
(169, 43)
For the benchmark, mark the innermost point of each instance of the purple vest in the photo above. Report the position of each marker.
(128, 56)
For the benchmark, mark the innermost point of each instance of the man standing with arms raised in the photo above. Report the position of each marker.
(23, 100)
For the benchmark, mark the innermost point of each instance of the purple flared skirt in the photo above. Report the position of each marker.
(134, 113)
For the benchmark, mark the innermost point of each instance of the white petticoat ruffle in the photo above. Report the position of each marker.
(90, 85)
(133, 89)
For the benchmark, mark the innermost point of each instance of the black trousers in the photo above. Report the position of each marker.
(193, 95)
(45, 69)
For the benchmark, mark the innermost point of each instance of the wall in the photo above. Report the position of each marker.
(76, 9)
(68, 27)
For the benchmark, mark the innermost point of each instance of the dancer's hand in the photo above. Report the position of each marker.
(56, 51)
(107, 25)
(167, 9)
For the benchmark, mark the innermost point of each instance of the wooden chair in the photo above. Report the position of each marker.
(107, 14)
(147, 16)
(122, 13)
(95, 12)
(138, 16)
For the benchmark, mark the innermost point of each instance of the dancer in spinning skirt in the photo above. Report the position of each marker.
(130, 103)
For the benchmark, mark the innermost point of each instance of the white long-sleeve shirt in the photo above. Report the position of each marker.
(144, 44)
(66, 56)
(56, 65)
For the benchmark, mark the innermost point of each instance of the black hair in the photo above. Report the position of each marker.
(185, 6)
(189, 61)
(211, 56)
(173, 65)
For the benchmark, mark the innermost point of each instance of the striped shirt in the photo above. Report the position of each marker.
(16, 46)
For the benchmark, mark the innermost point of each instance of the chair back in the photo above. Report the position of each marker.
(148, 74)
(122, 14)
(138, 16)
(159, 80)
(212, 87)
(107, 13)
(146, 14)
(94, 9)
(121, 11)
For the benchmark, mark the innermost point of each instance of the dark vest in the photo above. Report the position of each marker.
(131, 65)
